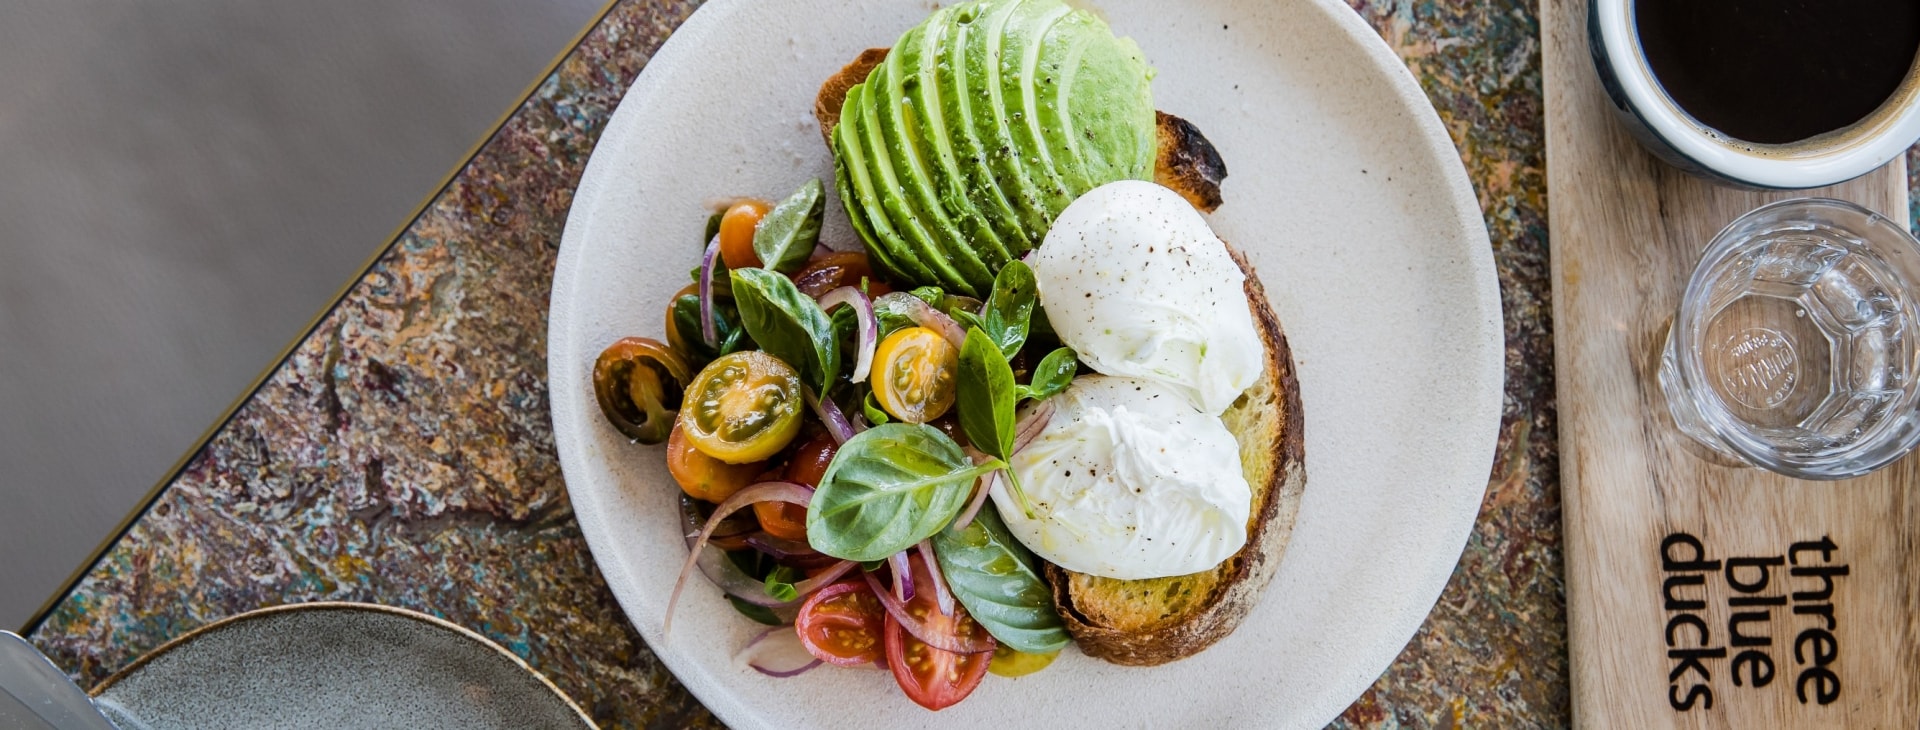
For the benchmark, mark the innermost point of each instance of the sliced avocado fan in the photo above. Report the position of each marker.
(985, 122)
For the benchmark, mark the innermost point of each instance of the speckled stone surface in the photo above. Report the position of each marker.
(402, 454)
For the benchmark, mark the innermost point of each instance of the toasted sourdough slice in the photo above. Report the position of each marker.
(1149, 622)
(1185, 162)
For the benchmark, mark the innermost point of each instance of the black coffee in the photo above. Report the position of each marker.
(1778, 71)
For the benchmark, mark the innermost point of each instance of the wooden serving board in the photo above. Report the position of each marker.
(1696, 592)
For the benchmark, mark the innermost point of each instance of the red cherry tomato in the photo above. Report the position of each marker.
(841, 624)
(934, 678)
(834, 269)
(789, 521)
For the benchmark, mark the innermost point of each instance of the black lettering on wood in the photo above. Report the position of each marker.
(1821, 643)
(1764, 573)
(1696, 693)
(1698, 562)
(1825, 546)
(1823, 610)
(1687, 619)
(1826, 685)
(1690, 659)
(1759, 668)
(1748, 617)
(1674, 602)
(1825, 573)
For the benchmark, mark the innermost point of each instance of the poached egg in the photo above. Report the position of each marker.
(1128, 480)
(1133, 279)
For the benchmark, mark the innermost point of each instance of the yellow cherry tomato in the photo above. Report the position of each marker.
(1009, 662)
(913, 374)
(742, 408)
(736, 233)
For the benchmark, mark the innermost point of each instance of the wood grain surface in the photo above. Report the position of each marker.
(1626, 231)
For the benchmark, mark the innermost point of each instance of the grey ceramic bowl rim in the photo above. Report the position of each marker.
(320, 606)
(1673, 134)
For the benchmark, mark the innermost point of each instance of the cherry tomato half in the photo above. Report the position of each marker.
(934, 678)
(789, 521)
(1011, 662)
(842, 624)
(702, 476)
(913, 374)
(834, 269)
(638, 383)
(736, 233)
(743, 407)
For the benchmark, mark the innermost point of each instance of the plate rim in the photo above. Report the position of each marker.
(345, 607)
(1484, 313)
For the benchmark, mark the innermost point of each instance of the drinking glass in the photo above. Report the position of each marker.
(1794, 349)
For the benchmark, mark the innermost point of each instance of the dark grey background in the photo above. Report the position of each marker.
(183, 186)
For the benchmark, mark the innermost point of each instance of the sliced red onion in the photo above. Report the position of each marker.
(777, 652)
(836, 422)
(781, 548)
(826, 578)
(707, 333)
(926, 316)
(965, 302)
(978, 644)
(788, 492)
(902, 576)
(869, 326)
(981, 487)
(1032, 423)
(941, 596)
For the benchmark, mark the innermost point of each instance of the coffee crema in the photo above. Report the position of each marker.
(1779, 71)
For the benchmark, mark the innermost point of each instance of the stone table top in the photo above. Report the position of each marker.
(401, 452)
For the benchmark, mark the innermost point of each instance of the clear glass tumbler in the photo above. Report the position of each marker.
(1794, 349)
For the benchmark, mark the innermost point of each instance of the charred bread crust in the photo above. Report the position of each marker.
(1188, 163)
(1183, 160)
(1235, 587)
(833, 93)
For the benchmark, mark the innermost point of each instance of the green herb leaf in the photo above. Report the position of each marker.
(713, 229)
(873, 565)
(761, 614)
(788, 325)
(966, 319)
(1053, 374)
(726, 319)
(1009, 310)
(993, 575)
(787, 235)
(985, 398)
(888, 488)
(780, 583)
(875, 414)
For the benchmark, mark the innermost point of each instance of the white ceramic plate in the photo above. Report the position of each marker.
(1346, 193)
(333, 666)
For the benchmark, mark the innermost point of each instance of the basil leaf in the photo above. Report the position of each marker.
(993, 575)
(1053, 374)
(780, 584)
(787, 235)
(761, 614)
(713, 229)
(966, 319)
(788, 325)
(985, 398)
(888, 488)
(726, 320)
(875, 414)
(1009, 309)
(932, 295)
